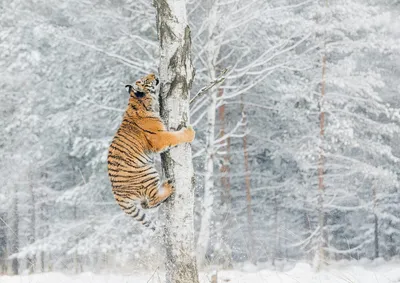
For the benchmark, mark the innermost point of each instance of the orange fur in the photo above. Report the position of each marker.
(130, 166)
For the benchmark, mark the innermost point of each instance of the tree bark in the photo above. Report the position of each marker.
(226, 198)
(31, 259)
(322, 239)
(211, 54)
(376, 226)
(43, 229)
(176, 75)
(208, 198)
(276, 249)
(15, 233)
(248, 189)
(3, 244)
(321, 254)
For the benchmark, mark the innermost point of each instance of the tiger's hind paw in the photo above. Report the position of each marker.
(168, 185)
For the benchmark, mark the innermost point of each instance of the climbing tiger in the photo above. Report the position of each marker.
(130, 164)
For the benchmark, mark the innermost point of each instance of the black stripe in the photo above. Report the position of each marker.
(155, 191)
(153, 183)
(128, 182)
(133, 149)
(148, 179)
(130, 147)
(134, 173)
(137, 213)
(119, 176)
(146, 174)
(113, 164)
(126, 166)
(119, 186)
(121, 194)
(128, 162)
(151, 179)
(132, 183)
(126, 171)
(134, 141)
(128, 156)
(123, 201)
(125, 206)
(127, 194)
(132, 209)
(141, 218)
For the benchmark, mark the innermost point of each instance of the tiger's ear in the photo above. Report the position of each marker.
(129, 88)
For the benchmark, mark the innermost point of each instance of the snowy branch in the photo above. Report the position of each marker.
(213, 83)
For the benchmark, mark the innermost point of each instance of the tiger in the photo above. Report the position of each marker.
(131, 167)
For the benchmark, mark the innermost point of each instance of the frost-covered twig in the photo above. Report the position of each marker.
(232, 133)
(103, 106)
(198, 153)
(213, 83)
(123, 60)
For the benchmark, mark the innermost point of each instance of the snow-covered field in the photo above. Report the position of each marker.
(301, 273)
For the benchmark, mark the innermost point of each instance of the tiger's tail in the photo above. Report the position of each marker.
(132, 210)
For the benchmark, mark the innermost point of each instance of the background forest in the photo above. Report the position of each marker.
(296, 154)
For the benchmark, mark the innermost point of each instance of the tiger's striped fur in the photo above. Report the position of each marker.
(130, 165)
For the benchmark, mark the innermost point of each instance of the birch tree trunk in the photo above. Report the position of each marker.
(176, 75)
(43, 230)
(31, 259)
(212, 53)
(320, 255)
(248, 189)
(226, 198)
(15, 234)
(208, 198)
(276, 250)
(376, 226)
(3, 244)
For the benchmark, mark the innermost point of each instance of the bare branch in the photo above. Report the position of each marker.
(123, 60)
(203, 90)
(232, 133)
(104, 106)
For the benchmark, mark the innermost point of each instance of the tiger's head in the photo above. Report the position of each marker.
(143, 93)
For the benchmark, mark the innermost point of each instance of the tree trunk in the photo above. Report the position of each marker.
(248, 190)
(42, 269)
(212, 53)
(43, 229)
(276, 224)
(320, 254)
(31, 259)
(226, 198)
(376, 227)
(322, 239)
(77, 259)
(15, 233)
(176, 76)
(3, 244)
(208, 199)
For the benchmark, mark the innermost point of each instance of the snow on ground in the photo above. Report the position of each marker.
(301, 273)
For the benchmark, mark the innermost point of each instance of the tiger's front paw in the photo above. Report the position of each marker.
(189, 134)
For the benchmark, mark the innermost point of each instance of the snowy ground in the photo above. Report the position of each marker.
(301, 273)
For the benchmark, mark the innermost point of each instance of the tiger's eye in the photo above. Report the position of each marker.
(139, 94)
